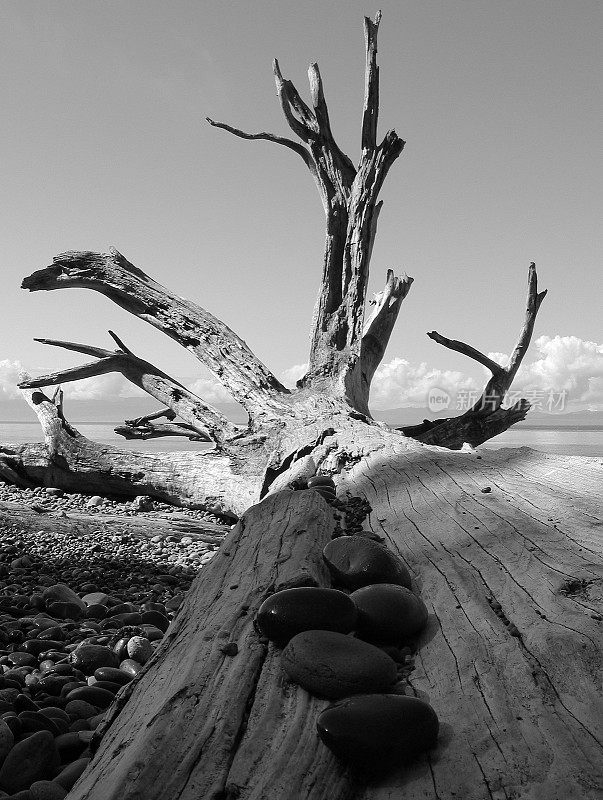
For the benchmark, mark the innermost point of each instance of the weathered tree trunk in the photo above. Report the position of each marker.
(510, 659)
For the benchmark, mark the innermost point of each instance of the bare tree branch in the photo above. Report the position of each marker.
(379, 327)
(533, 303)
(153, 430)
(466, 350)
(203, 418)
(471, 428)
(371, 84)
(211, 341)
(269, 137)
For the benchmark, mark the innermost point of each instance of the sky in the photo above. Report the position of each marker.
(103, 142)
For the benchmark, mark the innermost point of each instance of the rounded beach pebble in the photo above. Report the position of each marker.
(30, 760)
(89, 657)
(285, 614)
(332, 665)
(388, 613)
(378, 730)
(356, 561)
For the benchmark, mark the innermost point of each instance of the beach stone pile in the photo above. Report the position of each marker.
(79, 618)
(50, 499)
(353, 643)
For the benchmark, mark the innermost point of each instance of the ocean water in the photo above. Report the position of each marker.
(564, 441)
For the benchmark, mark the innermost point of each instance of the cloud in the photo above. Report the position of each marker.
(401, 383)
(101, 387)
(289, 376)
(564, 363)
(9, 377)
(210, 389)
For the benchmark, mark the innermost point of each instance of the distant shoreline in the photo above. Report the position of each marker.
(526, 426)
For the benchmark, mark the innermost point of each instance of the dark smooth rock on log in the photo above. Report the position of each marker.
(285, 614)
(332, 665)
(356, 561)
(387, 613)
(378, 731)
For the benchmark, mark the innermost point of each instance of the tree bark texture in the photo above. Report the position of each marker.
(510, 659)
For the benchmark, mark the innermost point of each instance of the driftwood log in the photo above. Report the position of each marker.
(512, 577)
(510, 659)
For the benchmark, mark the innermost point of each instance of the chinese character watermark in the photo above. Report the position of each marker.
(548, 400)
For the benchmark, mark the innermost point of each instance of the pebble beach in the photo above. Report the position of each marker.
(88, 587)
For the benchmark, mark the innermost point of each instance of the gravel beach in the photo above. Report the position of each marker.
(88, 587)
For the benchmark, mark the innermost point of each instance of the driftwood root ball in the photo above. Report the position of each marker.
(388, 613)
(333, 665)
(287, 613)
(378, 731)
(356, 561)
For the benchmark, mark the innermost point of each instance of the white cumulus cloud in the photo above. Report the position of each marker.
(210, 389)
(292, 374)
(564, 364)
(9, 377)
(401, 383)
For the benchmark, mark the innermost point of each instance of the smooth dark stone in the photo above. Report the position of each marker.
(123, 608)
(150, 606)
(69, 687)
(388, 613)
(100, 698)
(24, 794)
(61, 593)
(22, 659)
(155, 618)
(60, 669)
(55, 713)
(34, 721)
(378, 731)
(38, 646)
(65, 610)
(70, 745)
(96, 611)
(14, 724)
(109, 686)
(80, 709)
(7, 739)
(47, 790)
(320, 480)
(30, 760)
(120, 620)
(356, 561)
(89, 657)
(332, 665)
(112, 674)
(24, 703)
(285, 614)
(121, 648)
(68, 776)
(130, 667)
(53, 684)
(152, 633)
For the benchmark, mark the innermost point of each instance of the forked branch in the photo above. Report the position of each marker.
(211, 341)
(205, 420)
(502, 377)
